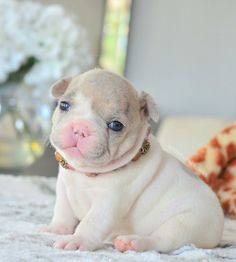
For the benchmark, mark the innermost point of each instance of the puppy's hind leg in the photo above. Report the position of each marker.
(168, 237)
(162, 243)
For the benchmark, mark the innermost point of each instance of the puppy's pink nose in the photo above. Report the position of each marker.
(81, 130)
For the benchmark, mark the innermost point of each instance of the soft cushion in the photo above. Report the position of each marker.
(183, 136)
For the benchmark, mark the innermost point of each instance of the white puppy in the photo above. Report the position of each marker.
(116, 185)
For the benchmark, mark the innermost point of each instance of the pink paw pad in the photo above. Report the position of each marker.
(122, 246)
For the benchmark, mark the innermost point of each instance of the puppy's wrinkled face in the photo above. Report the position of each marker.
(98, 118)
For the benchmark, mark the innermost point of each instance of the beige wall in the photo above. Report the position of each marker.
(184, 53)
(90, 14)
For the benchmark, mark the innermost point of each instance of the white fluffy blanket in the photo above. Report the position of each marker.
(26, 203)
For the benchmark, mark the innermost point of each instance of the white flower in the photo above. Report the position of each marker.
(47, 33)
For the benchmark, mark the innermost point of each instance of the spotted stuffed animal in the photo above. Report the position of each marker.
(215, 164)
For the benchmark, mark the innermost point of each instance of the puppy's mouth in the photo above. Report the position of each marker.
(80, 155)
(91, 158)
(70, 149)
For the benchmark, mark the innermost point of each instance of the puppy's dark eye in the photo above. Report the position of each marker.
(115, 126)
(64, 106)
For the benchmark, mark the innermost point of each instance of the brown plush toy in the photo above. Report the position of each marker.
(215, 164)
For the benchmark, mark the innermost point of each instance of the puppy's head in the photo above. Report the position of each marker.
(100, 120)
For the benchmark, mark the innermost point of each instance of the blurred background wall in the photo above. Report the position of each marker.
(184, 53)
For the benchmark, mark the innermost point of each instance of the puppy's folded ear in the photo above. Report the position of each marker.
(59, 88)
(148, 107)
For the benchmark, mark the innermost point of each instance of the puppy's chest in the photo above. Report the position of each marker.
(78, 194)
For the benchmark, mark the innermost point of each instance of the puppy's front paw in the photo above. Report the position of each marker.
(57, 229)
(71, 243)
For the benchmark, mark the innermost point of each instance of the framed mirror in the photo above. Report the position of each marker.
(115, 35)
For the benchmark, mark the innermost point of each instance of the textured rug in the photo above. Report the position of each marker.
(26, 203)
